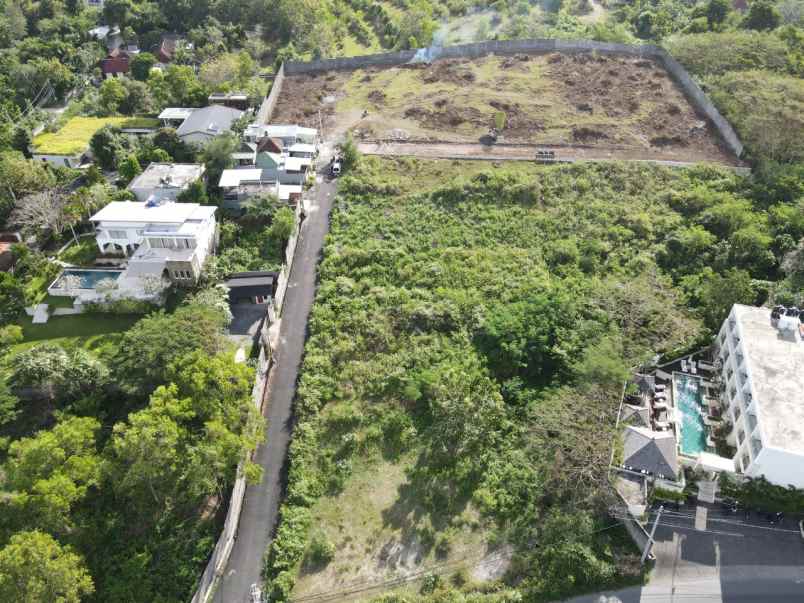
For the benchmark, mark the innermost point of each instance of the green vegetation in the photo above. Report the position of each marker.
(492, 316)
(140, 122)
(141, 424)
(74, 136)
(82, 253)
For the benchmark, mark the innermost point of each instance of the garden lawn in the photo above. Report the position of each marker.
(99, 334)
(73, 138)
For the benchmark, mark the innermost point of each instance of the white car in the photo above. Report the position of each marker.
(801, 528)
(335, 168)
(256, 594)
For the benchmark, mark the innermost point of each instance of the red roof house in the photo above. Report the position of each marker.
(115, 64)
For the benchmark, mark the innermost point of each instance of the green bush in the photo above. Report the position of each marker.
(320, 551)
(120, 306)
(708, 54)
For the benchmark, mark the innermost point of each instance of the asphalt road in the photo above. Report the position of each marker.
(733, 559)
(261, 504)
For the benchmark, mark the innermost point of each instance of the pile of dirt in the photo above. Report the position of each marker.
(453, 71)
(519, 124)
(447, 117)
(377, 97)
(517, 60)
(586, 135)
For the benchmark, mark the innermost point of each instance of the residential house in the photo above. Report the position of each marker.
(241, 184)
(761, 357)
(161, 238)
(288, 134)
(168, 46)
(116, 63)
(236, 100)
(165, 181)
(173, 117)
(202, 125)
(245, 154)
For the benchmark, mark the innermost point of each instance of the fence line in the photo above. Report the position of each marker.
(268, 105)
(695, 95)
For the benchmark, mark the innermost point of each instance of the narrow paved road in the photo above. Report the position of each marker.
(261, 504)
(730, 559)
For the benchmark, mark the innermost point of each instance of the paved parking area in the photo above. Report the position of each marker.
(733, 558)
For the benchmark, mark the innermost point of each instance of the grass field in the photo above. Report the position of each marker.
(567, 100)
(74, 136)
(96, 333)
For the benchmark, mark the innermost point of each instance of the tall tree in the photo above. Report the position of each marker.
(34, 568)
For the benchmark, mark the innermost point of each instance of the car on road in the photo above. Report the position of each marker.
(335, 167)
(256, 594)
(801, 528)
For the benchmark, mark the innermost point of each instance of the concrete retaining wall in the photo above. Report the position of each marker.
(223, 548)
(269, 104)
(692, 91)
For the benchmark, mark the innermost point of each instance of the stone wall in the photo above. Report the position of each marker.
(692, 91)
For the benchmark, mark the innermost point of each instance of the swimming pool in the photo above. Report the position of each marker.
(87, 279)
(688, 394)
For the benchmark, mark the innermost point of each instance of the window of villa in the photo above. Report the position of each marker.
(746, 462)
(740, 436)
(117, 234)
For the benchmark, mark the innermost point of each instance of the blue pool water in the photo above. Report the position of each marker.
(88, 278)
(688, 396)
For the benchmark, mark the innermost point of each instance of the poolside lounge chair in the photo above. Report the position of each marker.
(660, 406)
(660, 387)
(662, 424)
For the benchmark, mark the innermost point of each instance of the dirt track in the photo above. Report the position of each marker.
(503, 152)
(625, 107)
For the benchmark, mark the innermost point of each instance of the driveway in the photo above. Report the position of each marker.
(733, 558)
(261, 504)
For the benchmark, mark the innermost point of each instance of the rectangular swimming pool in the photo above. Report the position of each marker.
(688, 397)
(87, 279)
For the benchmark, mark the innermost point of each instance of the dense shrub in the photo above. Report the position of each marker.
(711, 53)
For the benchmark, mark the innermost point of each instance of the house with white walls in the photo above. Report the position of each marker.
(761, 357)
(159, 237)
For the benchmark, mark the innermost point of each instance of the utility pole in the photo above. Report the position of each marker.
(649, 544)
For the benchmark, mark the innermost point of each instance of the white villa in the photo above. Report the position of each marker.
(161, 238)
(762, 367)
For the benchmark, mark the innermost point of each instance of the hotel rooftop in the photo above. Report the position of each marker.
(774, 355)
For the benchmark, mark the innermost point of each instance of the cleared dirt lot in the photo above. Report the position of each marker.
(621, 104)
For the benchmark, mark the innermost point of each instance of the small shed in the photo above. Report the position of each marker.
(255, 287)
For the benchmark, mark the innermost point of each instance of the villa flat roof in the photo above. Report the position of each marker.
(176, 113)
(167, 175)
(775, 360)
(166, 213)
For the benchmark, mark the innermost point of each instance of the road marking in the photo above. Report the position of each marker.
(700, 517)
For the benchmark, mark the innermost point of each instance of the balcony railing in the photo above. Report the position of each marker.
(751, 420)
(756, 447)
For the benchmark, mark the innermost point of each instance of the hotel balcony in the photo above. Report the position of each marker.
(751, 421)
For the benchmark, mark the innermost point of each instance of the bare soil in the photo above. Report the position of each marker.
(623, 105)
